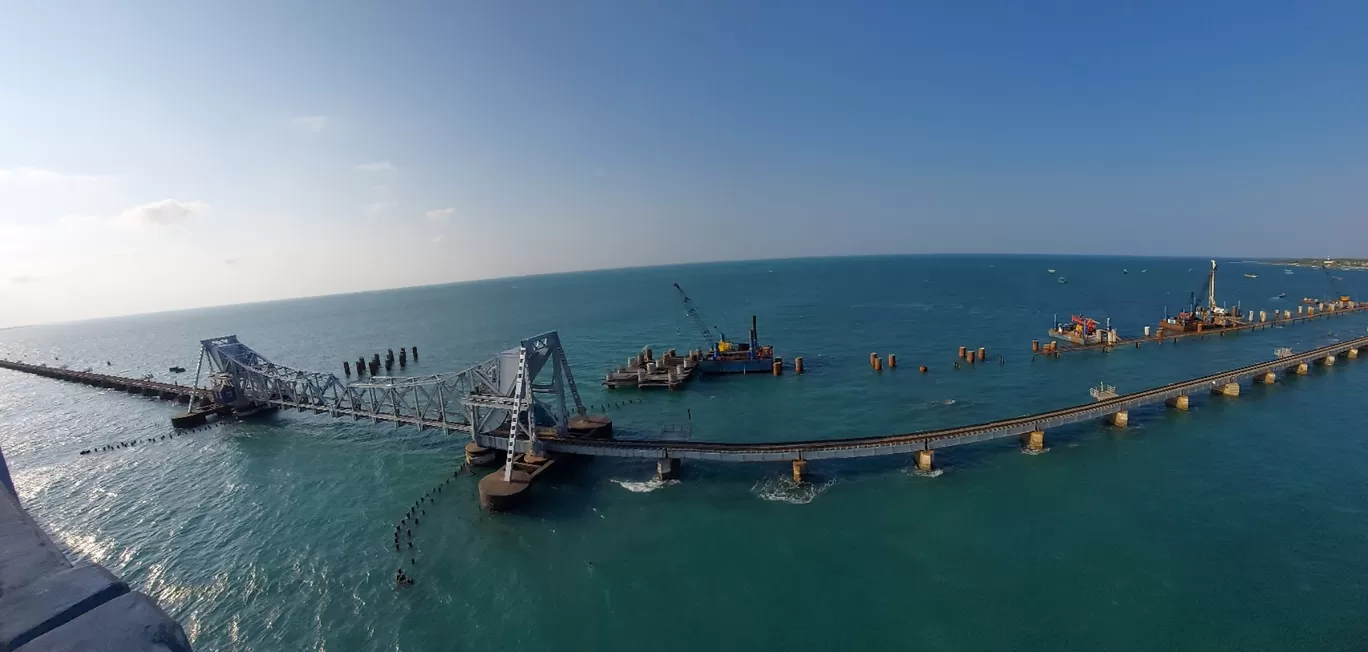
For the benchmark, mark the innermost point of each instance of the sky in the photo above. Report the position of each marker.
(165, 155)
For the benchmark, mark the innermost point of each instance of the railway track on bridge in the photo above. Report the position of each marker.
(940, 438)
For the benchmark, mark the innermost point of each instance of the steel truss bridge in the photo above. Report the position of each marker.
(510, 401)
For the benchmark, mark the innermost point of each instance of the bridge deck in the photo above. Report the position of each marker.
(931, 439)
(182, 393)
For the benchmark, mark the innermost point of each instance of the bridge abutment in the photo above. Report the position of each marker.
(1120, 419)
(1301, 369)
(799, 470)
(1179, 402)
(1327, 361)
(1267, 379)
(1351, 354)
(1033, 440)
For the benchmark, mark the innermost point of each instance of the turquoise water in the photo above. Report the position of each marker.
(1240, 525)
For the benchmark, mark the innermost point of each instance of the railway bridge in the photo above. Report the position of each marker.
(523, 404)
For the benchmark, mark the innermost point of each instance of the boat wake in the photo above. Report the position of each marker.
(785, 490)
(644, 487)
(1028, 451)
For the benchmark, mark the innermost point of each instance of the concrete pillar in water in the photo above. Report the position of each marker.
(1353, 353)
(892, 361)
(667, 468)
(778, 368)
(415, 354)
(1263, 316)
(799, 470)
(1328, 360)
(923, 369)
(1178, 402)
(798, 365)
(1035, 344)
(923, 459)
(982, 354)
(878, 364)
(477, 455)
(970, 357)
(1033, 440)
(1287, 314)
(346, 368)
(1228, 389)
(1302, 369)
(1299, 309)
(1267, 378)
(962, 351)
(873, 357)
(1120, 419)
(1147, 331)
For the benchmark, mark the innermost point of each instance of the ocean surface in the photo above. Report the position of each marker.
(1241, 525)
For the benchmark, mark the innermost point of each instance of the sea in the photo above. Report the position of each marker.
(1239, 525)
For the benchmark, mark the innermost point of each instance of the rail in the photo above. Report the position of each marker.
(931, 439)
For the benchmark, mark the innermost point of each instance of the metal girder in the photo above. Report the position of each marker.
(477, 400)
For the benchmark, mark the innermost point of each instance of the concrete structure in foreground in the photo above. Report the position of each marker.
(47, 604)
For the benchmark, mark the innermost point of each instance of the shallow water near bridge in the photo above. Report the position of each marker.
(1239, 525)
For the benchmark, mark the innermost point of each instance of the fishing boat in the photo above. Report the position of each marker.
(1050, 271)
(1287, 271)
(1251, 276)
(1125, 271)
(1282, 295)
(1061, 280)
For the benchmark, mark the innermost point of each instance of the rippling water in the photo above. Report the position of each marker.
(1239, 525)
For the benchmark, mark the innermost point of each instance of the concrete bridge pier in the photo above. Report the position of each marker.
(477, 455)
(1120, 419)
(1267, 378)
(799, 470)
(1328, 360)
(923, 460)
(667, 468)
(1033, 440)
(1228, 389)
(1179, 402)
(1301, 369)
(1353, 353)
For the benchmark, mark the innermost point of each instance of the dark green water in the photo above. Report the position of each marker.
(1240, 525)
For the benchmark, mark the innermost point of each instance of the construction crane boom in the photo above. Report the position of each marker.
(691, 309)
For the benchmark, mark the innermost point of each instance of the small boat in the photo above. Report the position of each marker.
(1143, 271)
(1061, 280)
(1282, 295)
(1287, 271)
(1050, 271)
(176, 370)
(1251, 276)
(1125, 271)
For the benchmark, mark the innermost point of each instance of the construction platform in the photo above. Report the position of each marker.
(643, 371)
(1160, 335)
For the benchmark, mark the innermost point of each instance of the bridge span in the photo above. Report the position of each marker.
(1031, 426)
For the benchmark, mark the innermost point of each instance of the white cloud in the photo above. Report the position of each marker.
(166, 212)
(31, 176)
(310, 123)
(440, 214)
(375, 208)
(379, 166)
(439, 239)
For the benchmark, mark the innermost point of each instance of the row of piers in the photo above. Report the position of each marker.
(375, 363)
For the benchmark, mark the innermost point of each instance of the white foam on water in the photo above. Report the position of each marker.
(1028, 451)
(933, 473)
(785, 490)
(644, 487)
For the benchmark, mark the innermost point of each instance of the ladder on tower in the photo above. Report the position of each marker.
(515, 416)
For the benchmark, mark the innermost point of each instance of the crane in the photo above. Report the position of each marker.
(691, 309)
(1209, 289)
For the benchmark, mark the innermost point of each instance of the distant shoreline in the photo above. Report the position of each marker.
(1352, 264)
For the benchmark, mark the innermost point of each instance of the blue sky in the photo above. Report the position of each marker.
(161, 155)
